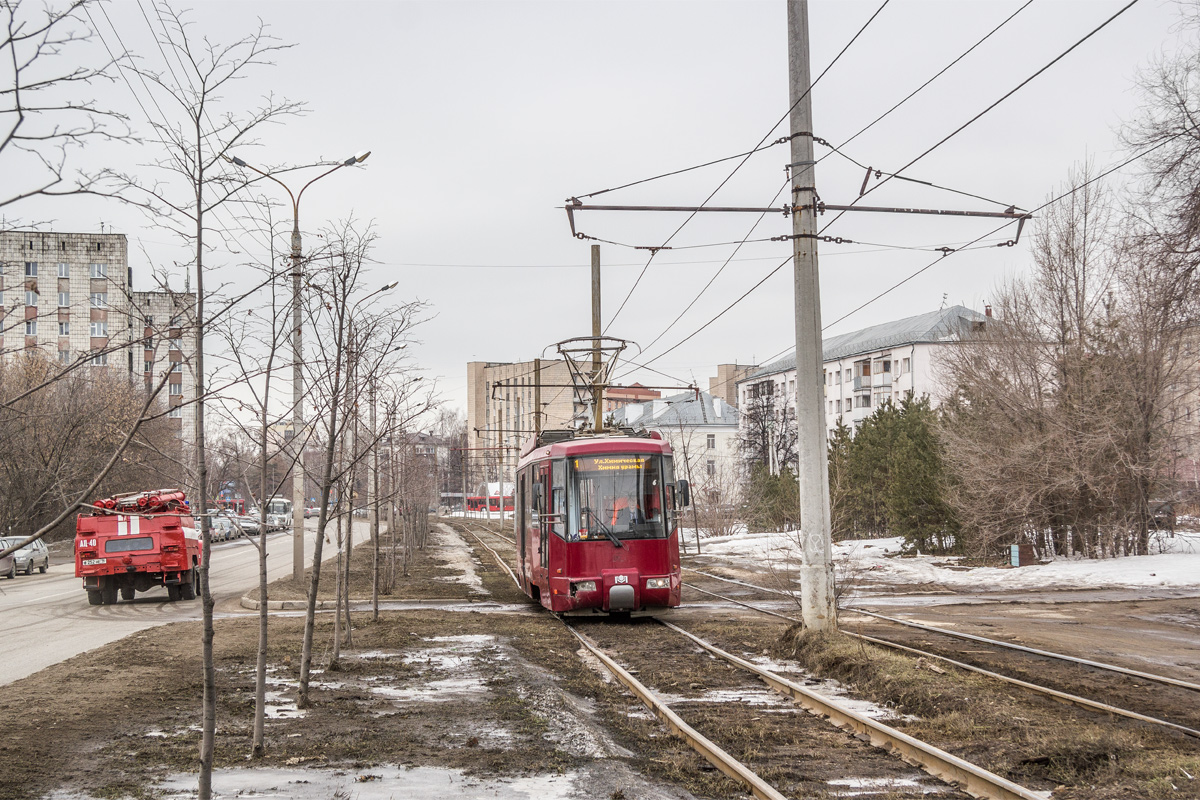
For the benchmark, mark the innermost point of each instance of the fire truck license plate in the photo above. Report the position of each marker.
(89, 562)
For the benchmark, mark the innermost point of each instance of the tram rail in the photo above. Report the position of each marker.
(971, 778)
(1149, 676)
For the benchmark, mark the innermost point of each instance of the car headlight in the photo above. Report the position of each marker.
(658, 583)
(583, 586)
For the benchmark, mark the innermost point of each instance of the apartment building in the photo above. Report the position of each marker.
(71, 296)
(500, 409)
(702, 429)
(620, 396)
(865, 368)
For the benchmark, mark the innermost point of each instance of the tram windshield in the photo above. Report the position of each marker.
(617, 496)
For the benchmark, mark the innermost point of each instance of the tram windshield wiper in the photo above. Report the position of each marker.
(603, 528)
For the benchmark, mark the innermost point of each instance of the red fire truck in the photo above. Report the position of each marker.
(134, 542)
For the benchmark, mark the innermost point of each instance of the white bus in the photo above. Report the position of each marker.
(279, 512)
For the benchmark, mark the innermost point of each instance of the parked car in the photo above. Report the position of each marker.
(223, 528)
(8, 564)
(279, 521)
(32, 556)
(248, 524)
(311, 511)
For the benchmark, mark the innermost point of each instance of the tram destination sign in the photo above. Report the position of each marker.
(612, 463)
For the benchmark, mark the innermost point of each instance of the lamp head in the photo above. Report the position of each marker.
(357, 158)
(237, 162)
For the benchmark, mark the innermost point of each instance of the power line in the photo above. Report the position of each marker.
(969, 245)
(989, 108)
(716, 274)
(729, 177)
(939, 74)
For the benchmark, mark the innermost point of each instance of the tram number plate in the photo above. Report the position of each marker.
(621, 579)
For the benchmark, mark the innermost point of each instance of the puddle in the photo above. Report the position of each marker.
(867, 787)
(373, 783)
(434, 691)
(457, 556)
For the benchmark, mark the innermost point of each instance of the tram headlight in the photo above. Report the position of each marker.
(658, 583)
(583, 586)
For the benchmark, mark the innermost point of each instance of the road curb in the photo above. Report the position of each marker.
(300, 605)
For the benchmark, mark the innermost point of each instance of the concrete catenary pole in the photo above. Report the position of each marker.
(816, 573)
(597, 385)
(298, 438)
(537, 397)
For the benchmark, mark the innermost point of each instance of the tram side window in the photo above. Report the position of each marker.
(558, 496)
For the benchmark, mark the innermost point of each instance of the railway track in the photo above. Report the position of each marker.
(1176, 700)
(785, 729)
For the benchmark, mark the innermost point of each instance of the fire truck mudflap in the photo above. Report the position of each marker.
(136, 542)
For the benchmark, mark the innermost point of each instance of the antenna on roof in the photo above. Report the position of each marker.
(943, 305)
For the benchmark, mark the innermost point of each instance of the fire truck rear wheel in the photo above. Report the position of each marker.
(188, 589)
(126, 592)
(94, 598)
(173, 592)
(109, 593)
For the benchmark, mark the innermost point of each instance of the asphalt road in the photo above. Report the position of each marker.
(46, 619)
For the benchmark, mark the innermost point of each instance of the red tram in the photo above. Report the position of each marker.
(483, 504)
(596, 522)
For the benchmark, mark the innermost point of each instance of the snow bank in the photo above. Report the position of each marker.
(1175, 564)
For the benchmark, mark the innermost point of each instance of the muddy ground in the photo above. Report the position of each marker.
(477, 693)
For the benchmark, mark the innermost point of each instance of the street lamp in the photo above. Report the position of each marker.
(298, 353)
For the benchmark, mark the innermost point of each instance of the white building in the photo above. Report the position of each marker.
(864, 368)
(703, 429)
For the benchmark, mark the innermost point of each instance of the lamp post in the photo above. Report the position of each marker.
(298, 355)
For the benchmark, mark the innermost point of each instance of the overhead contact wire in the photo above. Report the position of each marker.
(745, 159)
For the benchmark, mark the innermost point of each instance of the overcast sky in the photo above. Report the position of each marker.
(483, 117)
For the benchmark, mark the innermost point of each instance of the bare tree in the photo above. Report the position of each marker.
(1059, 430)
(354, 342)
(194, 136)
(44, 111)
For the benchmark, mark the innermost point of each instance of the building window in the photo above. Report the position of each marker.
(712, 441)
(99, 270)
(100, 360)
(837, 406)
(99, 328)
(830, 407)
(99, 299)
(64, 270)
(31, 298)
(711, 467)
(176, 412)
(64, 356)
(149, 366)
(906, 366)
(847, 376)
(176, 389)
(64, 329)
(149, 322)
(837, 377)
(64, 299)
(31, 327)
(174, 343)
(30, 269)
(176, 366)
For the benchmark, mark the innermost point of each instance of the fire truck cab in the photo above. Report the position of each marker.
(132, 543)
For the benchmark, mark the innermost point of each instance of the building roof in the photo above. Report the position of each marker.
(678, 409)
(945, 324)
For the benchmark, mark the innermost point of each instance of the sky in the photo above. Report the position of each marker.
(483, 117)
